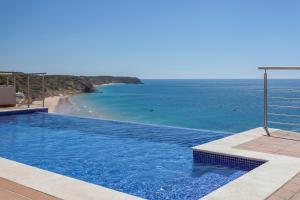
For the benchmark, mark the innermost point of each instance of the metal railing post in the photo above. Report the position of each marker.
(266, 97)
(266, 102)
(14, 80)
(43, 86)
(28, 95)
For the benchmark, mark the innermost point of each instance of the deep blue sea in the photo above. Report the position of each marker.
(222, 105)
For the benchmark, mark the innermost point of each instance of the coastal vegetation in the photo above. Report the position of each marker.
(63, 84)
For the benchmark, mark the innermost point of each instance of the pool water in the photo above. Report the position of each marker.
(152, 162)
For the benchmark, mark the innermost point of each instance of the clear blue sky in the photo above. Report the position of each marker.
(149, 38)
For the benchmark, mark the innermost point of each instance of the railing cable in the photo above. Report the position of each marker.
(284, 98)
(284, 123)
(284, 115)
(290, 107)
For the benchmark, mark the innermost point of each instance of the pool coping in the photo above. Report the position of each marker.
(14, 111)
(258, 183)
(56, 185)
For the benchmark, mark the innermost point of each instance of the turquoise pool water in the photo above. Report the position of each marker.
(152, 162)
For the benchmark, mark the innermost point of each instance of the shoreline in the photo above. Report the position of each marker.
(52, 103)
(61, 103)
(106, 84)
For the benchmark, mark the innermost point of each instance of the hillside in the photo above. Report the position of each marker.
(64, 84)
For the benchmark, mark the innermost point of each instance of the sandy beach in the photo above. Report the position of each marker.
(52, 102)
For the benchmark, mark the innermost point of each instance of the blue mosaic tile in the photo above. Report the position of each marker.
(226, 160)
(25, 111)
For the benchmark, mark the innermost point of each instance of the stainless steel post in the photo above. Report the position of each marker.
(14, 80)
(28, 95)
(43, 83)
(266, 102)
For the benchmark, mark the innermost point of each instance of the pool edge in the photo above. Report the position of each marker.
(17, 111)
(258, 183)
(56, 185)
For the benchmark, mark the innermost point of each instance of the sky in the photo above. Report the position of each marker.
(150, 38)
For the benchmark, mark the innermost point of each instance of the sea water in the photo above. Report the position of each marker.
(222, 105)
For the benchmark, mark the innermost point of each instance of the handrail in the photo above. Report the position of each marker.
(279, 68)
(278, 106)
(12, 73)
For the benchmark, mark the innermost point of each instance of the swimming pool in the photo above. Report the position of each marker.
(152, 162)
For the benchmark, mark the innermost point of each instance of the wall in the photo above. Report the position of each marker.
(7, 96)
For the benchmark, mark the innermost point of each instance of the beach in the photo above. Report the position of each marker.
(52, 103)
(61, 103)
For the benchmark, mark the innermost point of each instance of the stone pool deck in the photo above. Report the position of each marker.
(278, 178)
(282, 143)
(55, 185)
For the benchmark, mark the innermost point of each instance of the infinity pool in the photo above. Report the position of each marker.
(148, 161)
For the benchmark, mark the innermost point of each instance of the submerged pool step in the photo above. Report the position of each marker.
(235, 162)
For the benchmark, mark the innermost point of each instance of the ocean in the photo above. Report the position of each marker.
(221, 105)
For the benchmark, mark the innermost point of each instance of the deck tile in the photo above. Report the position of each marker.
(11, 190)
(281, 143)
(284, 194)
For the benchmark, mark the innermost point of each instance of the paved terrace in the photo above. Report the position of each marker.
(282, 143)
(277, 179)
